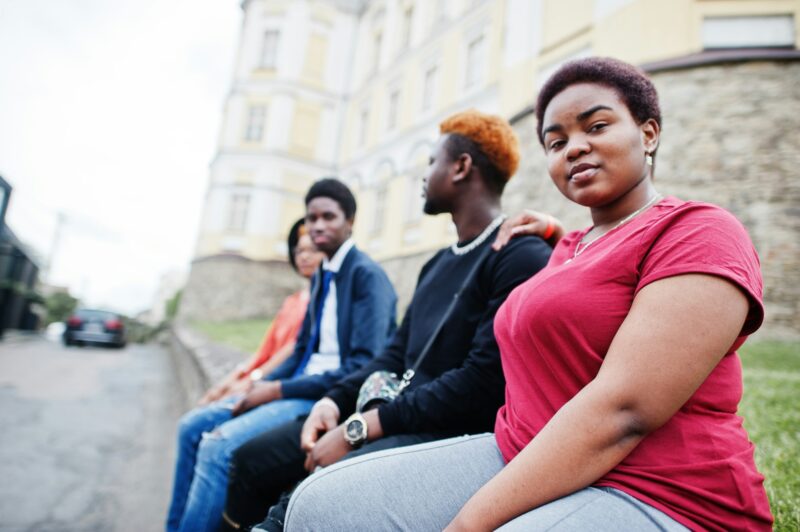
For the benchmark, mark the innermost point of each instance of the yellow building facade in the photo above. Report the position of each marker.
(357, 89)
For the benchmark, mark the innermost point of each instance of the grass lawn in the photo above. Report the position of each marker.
(245, 335)
(771, 411)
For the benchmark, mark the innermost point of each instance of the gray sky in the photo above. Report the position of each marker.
(109, 113)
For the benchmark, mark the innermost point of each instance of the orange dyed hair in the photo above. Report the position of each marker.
(492, 134)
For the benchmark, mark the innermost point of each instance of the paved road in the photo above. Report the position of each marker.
(87, 437)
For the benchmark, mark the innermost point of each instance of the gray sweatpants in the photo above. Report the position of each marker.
(422, 487)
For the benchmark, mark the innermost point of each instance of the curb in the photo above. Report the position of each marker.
(199, 362)
(15, 336)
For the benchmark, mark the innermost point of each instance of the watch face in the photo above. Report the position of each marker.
(355, 429)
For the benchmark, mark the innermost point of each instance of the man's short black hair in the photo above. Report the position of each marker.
(330, 187)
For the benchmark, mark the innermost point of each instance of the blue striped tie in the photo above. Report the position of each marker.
(327, 277)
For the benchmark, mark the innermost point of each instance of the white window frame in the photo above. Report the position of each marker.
(393, 109)
(238, 211)
(408, 27)
(414, 199)
(377, 46)
(475, 66)
(379, 209)
(759, 31)
(363, 126)
(269, 49)
(429, 83)
(256, 121)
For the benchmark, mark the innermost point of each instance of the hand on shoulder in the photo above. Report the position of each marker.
(529, 222)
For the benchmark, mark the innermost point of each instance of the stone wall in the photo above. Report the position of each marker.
(230, 287)
(731, 136)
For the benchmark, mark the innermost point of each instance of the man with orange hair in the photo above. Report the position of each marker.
(446, 338)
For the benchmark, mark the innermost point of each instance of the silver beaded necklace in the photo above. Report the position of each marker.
(478, 239)
(631, 216)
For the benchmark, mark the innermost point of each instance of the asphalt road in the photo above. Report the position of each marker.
(87, 438)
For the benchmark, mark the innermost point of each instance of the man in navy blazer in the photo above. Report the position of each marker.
(361, 294)
(350, 317)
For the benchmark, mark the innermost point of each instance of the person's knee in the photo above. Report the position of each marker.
(314, 501)
(213, 450)
(242, 469)
(188, 430)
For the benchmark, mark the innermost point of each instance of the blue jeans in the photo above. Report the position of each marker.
(207, 438)
(422, 487)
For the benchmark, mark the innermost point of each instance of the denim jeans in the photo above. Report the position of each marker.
(207, 438)
(423, 487)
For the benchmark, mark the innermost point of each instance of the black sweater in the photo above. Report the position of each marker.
(460, 384)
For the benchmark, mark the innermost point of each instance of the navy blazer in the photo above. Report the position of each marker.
(365, 315)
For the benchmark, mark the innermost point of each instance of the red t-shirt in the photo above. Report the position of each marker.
(555, 329)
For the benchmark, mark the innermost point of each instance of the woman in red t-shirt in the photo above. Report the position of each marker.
(622, 378)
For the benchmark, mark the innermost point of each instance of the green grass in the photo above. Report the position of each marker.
(770, 407)
(771, 411)
(245, 335)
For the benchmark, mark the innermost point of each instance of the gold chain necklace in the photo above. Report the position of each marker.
(631, 216)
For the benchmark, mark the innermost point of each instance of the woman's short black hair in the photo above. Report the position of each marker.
(295, 233)
(330, 187)
(631, 83)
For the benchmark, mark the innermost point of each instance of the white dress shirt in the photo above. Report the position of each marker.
(327, 357)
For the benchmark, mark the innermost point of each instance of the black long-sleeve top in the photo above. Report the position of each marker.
(459, 386)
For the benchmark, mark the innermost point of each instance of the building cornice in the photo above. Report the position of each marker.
(719, 57)
(277, 154)
(704, 58)
(355, 7)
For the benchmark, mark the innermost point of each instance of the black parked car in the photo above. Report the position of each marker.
(89, 326)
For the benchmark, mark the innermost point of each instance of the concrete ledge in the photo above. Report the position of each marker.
(199, 362)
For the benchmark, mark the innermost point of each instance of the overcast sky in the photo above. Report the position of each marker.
(109, 114)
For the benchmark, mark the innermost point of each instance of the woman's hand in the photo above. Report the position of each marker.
(223, 388)
(213, 394)
(240, 387)
(528, 222)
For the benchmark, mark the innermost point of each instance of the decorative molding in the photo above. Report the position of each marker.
(717, 57)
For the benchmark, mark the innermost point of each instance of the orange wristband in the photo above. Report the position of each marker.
(550, 229)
